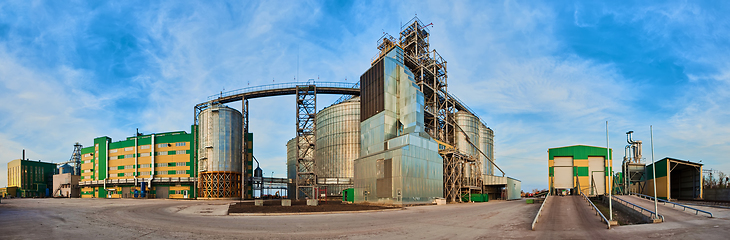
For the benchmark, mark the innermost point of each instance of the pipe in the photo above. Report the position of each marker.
(106, 165)
(23, 154)
(136, 160)
(152, 165)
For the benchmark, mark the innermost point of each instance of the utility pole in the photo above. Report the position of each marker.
(610, 173)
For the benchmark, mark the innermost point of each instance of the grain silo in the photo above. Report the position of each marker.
(219, 152)
(338, 145)
(486, 145)
(291, 165)
(467, 139)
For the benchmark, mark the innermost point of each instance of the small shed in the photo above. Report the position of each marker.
(675, 179)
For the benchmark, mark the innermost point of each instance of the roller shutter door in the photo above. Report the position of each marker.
(563, 172)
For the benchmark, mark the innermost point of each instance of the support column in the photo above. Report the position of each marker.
(306, 181)
(245, 157)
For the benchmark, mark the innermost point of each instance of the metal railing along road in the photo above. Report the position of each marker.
(653, 214)
(280, 86)
(697, 211)
(540, 210)
(598, 212)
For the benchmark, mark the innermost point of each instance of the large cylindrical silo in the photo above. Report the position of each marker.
(489, 145)
(219, 152)
(468, 127)
(291, 165)
(338, 145)
(486, 140)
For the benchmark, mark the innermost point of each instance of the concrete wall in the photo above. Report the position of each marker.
(717, 194)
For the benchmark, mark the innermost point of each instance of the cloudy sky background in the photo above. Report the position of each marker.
(541, 75)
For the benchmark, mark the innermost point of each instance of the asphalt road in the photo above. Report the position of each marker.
(180, 219)
(173, 219)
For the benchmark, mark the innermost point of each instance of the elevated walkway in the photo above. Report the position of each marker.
(671, 214)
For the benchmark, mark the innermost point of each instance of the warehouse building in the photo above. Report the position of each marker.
(143, 166)
(29, 178)
(675, 179)
(580, 168)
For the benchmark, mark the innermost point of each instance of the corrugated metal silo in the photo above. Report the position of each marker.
(338, 145)
(469, 126)
(291, 165)
(219, 152)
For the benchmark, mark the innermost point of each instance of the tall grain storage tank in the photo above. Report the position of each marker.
(490, 149)
(219, 152)
(486, 145)
(291, 165)
(468, 126)
(338, 145)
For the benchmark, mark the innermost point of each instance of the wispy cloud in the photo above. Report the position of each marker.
(541, 75)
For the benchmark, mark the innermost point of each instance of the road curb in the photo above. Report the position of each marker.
(313, 213)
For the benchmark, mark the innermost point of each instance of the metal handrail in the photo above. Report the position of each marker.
(697, 211)
(653, 214)
(278, 86)
(540, 210)
(598, 212)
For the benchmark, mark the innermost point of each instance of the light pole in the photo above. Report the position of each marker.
(653, 169)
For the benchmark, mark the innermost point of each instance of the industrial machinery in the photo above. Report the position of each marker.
(441, 109)
(633, 168)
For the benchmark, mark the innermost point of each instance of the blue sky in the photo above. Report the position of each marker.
(541, 75)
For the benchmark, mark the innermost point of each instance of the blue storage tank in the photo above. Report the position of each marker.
(65, 168)
(144, 190)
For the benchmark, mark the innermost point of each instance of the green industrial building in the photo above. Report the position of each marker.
(31, 178)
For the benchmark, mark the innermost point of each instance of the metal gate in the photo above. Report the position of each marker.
(162, 192)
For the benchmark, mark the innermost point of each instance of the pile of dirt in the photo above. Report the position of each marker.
(274, 206)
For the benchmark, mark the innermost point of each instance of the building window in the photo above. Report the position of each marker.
(180, 152)
(160, 172)
(161, 165)
(161, 153)
(180, 164)
(180, 144)
(144, 154)
(145, 147)
(129, 149)
(161, 145)
(87, 155)
(180, 172)
(144, 173)
(129, 156)
(113, 150)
